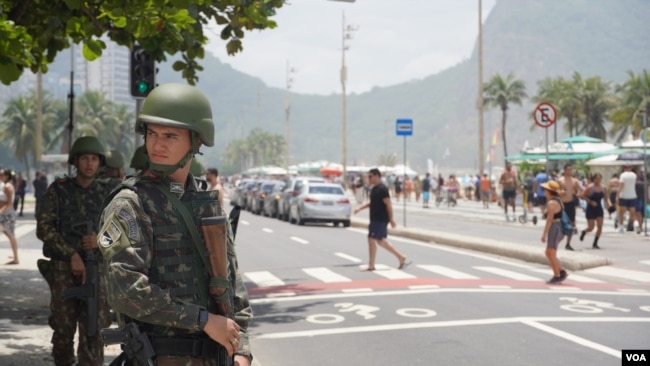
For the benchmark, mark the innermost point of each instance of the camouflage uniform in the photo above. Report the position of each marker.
(155, 275)
(65, 203)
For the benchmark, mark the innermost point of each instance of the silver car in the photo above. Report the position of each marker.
(321, 202)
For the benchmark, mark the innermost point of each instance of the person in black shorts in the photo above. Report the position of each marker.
(594, 194)
(381, 214)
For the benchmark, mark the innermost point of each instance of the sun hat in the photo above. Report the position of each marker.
(552, 186)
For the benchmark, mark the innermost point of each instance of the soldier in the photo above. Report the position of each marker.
(113, 172)
(160, 276)
(67, 223)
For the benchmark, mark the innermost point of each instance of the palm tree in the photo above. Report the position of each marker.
(635, 97)
(500, 93)
(596, 102)
(18, 126)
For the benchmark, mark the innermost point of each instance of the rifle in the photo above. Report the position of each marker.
(89, 291)
(134, 344)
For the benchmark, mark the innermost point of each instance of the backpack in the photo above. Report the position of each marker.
(567, 227)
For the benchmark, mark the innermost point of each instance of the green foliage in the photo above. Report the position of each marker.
(258, 149)
(33, 32)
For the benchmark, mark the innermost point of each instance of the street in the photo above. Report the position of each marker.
(315, 305)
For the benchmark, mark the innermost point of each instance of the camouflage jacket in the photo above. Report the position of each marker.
(64, 204)
(131, 238)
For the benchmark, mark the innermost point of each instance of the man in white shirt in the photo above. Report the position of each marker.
(626, 197)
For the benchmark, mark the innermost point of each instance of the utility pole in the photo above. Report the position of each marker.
(287, 111)
(346, 34)
(481, 132)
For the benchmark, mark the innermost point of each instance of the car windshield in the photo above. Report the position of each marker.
(326, 190)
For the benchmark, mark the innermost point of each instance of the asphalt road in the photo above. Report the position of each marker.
(314, 305)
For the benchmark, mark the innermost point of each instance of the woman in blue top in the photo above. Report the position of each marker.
(594, 194)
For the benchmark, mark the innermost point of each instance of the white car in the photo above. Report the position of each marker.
(321, 202)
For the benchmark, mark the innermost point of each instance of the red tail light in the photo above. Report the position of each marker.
(310, 199)
(343, 201)
(262, 195)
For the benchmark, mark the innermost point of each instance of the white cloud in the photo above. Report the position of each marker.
(396, 41)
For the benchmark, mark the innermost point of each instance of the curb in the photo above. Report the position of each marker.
(570, 260)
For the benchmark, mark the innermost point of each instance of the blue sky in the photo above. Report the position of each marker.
(395, 41)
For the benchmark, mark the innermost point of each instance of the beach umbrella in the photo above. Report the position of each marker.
(631, 155)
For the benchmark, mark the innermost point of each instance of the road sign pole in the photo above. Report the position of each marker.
(404, 189)
(548, 172)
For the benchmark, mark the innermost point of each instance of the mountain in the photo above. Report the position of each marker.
(533, 39)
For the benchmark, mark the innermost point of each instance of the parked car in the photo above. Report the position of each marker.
(289, 193)
(258, 196)
(236, 193)
(251, 194)
(321, 202)
(272, 199)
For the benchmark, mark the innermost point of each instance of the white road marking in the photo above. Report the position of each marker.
(299, 240)
(457, 323)
(357, 290)
(627, 274)
(348, 257)
(572, 276)
(508, 274)
(495, 287)
(267, 230)
(391, 273)
(447, 272)
(573, 338)
(645, 262)
(244, 222)
(325, 275)
(263, 278)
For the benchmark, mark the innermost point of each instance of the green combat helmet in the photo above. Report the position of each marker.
(87, 144)
(114, 159)
(196, 168)
(140, 160)
(179, 106)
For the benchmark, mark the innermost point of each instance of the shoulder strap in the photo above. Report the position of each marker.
(191, 226)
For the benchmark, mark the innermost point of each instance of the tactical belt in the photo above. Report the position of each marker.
(199, 348)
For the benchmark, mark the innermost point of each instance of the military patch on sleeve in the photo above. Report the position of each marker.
(132, 226)
(110, 235)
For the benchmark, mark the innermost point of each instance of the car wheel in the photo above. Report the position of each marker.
(300, 220)
(346, 223)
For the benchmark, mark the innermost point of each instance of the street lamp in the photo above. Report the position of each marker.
(346, 34)
(287, 111)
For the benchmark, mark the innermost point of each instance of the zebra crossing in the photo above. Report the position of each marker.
(290, 281)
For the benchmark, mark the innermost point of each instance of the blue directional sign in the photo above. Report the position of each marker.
(404, 127)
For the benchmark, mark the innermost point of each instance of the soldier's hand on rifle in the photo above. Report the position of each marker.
(224, 331)
(78, 267)
(89, 242)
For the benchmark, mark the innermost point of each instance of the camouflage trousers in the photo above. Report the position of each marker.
(67, 315)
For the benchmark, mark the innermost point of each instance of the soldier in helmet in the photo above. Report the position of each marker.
(68, 204)
(113, 172)
(155, 249)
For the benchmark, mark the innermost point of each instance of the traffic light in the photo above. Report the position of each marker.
(143, 72)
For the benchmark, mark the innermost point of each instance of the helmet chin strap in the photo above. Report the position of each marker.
(163, 170)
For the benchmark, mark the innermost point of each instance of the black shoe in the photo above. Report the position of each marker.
(595, 246)
(582, 235)
(568, 247)
(555, 280)
(563, 275)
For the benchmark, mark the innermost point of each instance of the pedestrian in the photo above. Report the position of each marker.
(160, 273)
(408, 188)
(67, 223)
(571, 189)
(19, 199)
(426, 189)
(40, 185)
(381, 214)
(417, 188)
(485, 187)
(640, 205)
(540, 179)
(612, 192)
(552, 234)
(398, 188)
(529, 189)
(594, 194)
(508, 182)
(214, 184)
(626, 197)
(8, 212)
